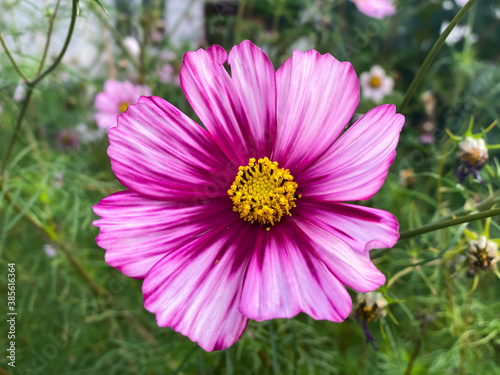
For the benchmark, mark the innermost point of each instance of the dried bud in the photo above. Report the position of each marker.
(483, 254)
(123, 64)
(473, 156)
(67, 139)
(473, 152)
(371, 306)
(407, 178)
(429, 101)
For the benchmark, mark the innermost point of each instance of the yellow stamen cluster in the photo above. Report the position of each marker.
(375, 81)
(263, 192)
(123, 107)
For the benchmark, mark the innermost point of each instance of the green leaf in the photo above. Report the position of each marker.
(102, 7)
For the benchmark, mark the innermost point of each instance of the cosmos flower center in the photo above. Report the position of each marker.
(263, 192)
(375, 81)
(123, 107)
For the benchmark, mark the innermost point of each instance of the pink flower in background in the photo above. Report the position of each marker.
(19, 92)
(49, 250)
(115, 99)
(376, 8)
(167, 75)
(242, 220)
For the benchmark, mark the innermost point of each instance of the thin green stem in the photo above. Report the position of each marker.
(414, 355)
(49, 35)
(53, 237)
(483, 205)
(432, 54)
(27, 98)
(276, 368)
(229, 363)
(115, 34)
(63, 50)
(11, 58)
(31, 85)
(448, 223)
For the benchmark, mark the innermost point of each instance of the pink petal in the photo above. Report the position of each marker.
(362, 228)
(160, 153)
(137, 232)
(317, 96)
(238, 113)
(352, 268)
(356, 166)
(255, 83)
(105, 102)
(113, 88)
(285, 277)
(196, 289)
(376, 8)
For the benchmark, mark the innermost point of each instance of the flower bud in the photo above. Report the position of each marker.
(473, 152)
(407, 178)
(473, 156)
(429, 100)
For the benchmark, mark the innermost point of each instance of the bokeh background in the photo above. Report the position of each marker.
(77, 315)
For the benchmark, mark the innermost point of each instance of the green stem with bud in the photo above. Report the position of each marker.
(448, 223)
(31, 84)
(432, 54)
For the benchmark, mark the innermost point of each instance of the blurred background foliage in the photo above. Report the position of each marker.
(77, 315)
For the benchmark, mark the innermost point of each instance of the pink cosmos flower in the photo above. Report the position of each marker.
(376, 8)
(242, 220)
(167, 75)
(115, 99)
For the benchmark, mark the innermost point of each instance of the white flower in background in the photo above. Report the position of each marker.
(49, 250)
(313, 14)
(461, 2)
(303, 44)
(458, 33)
(58, 180)
(132, 46)
(496, 11)
(448, 5)
(19, 92)
(375, 84)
